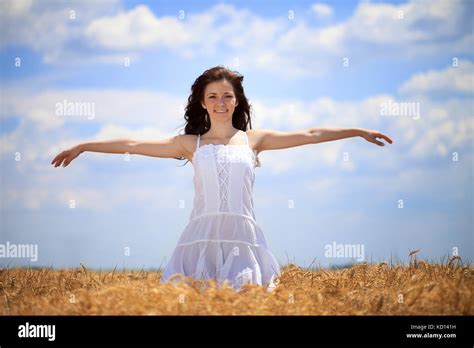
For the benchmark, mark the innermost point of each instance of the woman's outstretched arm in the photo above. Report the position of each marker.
(167, 148)
(269, 139)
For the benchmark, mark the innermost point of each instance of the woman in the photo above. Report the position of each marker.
(222, 240)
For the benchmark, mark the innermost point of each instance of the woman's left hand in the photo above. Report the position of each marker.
(372, 135)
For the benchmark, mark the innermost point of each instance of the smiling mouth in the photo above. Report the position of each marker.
(221, 112)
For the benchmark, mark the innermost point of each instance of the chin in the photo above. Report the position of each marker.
(223, 116)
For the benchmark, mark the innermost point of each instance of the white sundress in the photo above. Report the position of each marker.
(222, 240)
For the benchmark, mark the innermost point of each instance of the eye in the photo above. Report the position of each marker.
(227, 96)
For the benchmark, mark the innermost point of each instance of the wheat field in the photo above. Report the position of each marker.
(417, 288)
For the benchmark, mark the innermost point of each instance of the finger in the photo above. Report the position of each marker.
(378, 142)
(57, 157)
(378, 136)
(386, 137)
(58, 163)
(67, 160)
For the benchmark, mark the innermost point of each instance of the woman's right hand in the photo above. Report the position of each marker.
(67, 156)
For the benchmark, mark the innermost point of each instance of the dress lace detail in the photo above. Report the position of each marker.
(234, 152)
(223, 174)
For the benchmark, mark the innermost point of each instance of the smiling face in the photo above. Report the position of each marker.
(219, 101)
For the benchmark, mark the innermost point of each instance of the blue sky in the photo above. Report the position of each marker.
(292, 55)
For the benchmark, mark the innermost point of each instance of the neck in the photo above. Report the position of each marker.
(221, 132)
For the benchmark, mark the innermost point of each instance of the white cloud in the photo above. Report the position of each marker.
(132, 107)
(409, 23)
(16, 8)
(112, 131)
(443, 127)
(31, 198)
(54, 187)
(27, 143)
(442, 137)
(304, 39)
(401, 183)
(450, 80)
(103, 31)
(50, 28)
(322, 10)
(135, 29)
(310, 156)
(321, 186)
(106, 199)
(374, 30)
(381, 24)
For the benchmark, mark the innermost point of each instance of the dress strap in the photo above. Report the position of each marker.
(246, 138)
(197, 141)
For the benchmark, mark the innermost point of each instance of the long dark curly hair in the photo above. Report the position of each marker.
(195, 115)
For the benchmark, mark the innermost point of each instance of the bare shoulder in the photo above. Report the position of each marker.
(188, 142)
(255, 137)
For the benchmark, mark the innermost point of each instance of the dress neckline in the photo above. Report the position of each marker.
(198, 141)
(224, 145)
